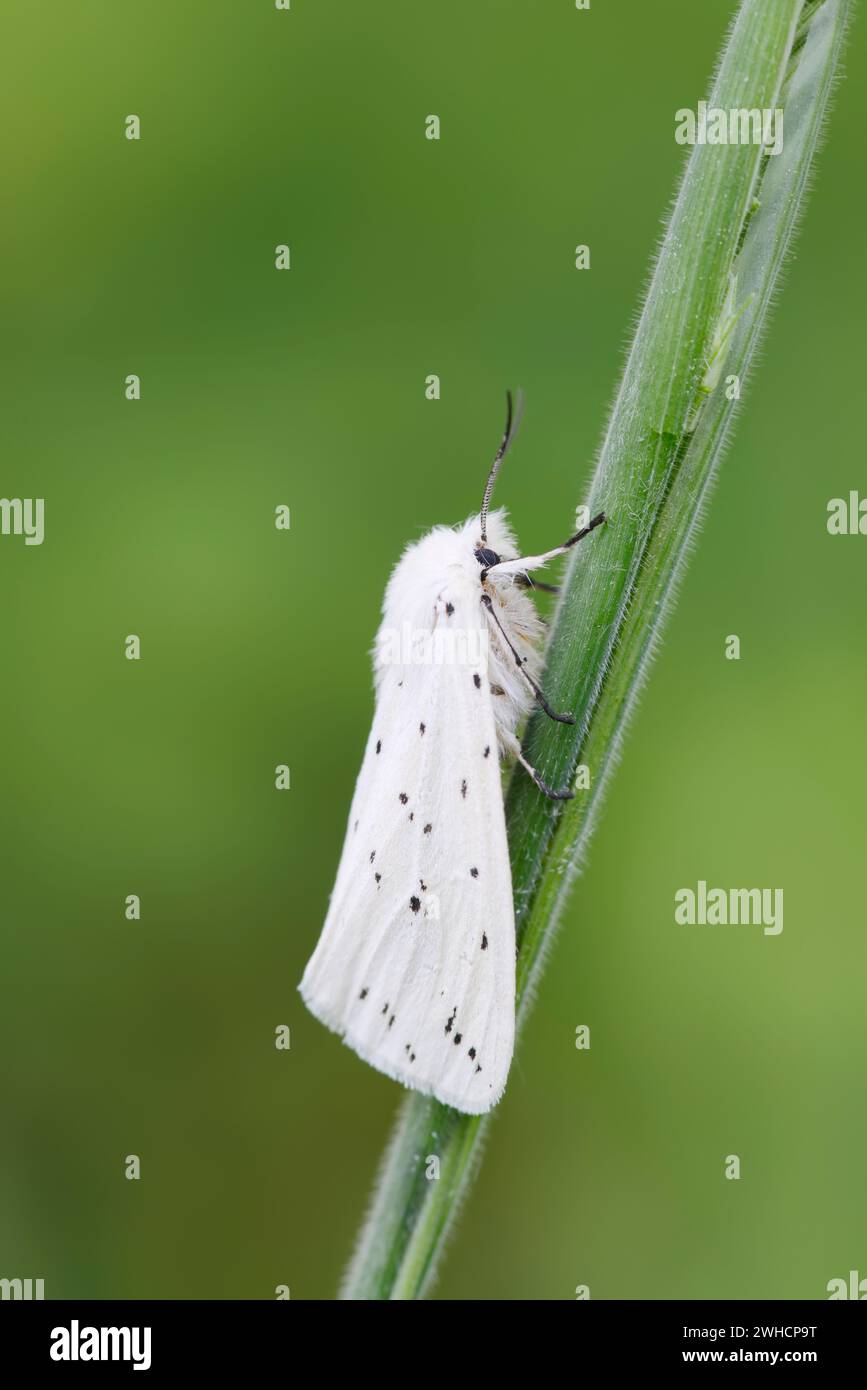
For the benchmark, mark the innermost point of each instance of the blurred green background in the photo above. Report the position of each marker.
(307, 388)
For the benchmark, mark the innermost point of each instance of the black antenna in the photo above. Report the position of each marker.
(513, 420)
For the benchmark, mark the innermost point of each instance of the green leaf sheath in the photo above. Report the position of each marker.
(734, 215)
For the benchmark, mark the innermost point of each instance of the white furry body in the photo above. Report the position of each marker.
(415, 966)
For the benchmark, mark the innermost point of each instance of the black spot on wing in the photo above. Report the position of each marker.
(421, 728)
(484, 942)
(403, 798)
(474, 873)
(477, 681)
(378, 745)
(428, 828)
(450, 608)
(451, 1019)
(415, 904)
(363, 994)
(464, 788)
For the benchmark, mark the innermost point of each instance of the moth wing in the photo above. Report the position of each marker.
(415, 966)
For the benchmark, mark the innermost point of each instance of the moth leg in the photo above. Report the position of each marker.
(519, 661)
(525, 582)
(514, 748)
(534, 562)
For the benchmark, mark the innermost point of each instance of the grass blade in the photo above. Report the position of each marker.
(727, 238)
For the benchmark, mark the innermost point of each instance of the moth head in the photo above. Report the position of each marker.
(486, 557)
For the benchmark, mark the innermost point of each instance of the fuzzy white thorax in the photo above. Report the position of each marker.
(442, 562)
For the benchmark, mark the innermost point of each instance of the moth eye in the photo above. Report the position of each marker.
(486, 558)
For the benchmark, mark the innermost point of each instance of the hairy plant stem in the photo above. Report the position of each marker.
(727, 238)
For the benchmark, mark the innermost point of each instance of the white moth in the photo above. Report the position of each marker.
(415, 966)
